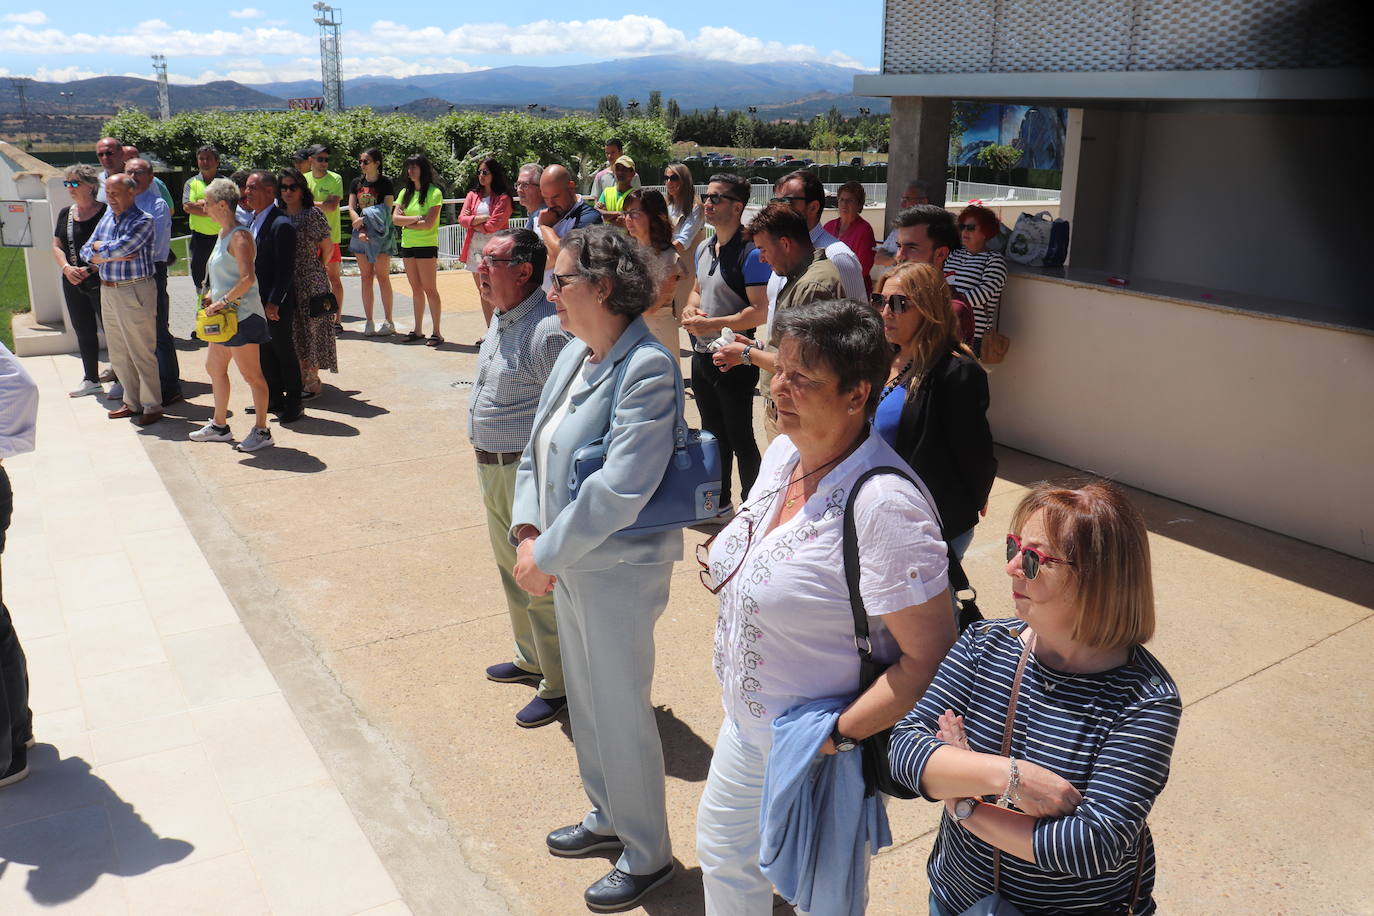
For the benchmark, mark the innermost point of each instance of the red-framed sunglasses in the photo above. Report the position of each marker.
(1031, 559)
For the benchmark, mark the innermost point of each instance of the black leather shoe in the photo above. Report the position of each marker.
(290, 414)
(572, 842)
(621, 890)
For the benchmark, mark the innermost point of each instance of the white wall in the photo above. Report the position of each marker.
(46, 329)
(1262, 420)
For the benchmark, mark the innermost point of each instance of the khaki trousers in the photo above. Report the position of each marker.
(130, 314)
(532, 620)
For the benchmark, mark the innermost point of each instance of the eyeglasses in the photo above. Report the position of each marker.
(704, 556)
(487, 261)
(968, 227)
(668, 178)
(633, 214)
(786, 200)
(717, 198)
(895, 301)
(71, 184)
(484, 171)
(562, 280)
(289, 187)
(1031, 559)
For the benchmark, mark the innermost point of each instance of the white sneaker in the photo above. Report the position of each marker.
(369, 329)
(386, 329)
(258, 438)
(212, 433)
(87, 387)
(116, 392)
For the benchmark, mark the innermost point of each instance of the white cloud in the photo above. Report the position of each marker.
(252, 72)
(32, 17)
(246, 13)
(156, 37)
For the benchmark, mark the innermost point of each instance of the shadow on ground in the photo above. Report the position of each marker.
(71, 827)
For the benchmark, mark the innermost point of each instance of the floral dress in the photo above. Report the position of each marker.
(314, 337)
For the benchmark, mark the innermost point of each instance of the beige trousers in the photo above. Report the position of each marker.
(130, 315)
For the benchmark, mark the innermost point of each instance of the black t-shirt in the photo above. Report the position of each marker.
(80, 234)
(371, 192)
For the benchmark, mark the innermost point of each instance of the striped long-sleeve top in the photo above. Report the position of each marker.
(979, 278)
(1111, 734)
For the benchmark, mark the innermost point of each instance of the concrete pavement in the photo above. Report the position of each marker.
(354, 555)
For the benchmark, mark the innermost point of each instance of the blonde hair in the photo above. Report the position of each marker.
(1097, 529)
(927, 292)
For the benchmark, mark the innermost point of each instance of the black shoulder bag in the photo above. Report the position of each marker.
(90, 282)
(877, 770)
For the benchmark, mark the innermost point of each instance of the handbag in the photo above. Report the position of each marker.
(689, 492)
(995, 344)
(995, 904)
(91, 282)
(1030, 238)
(877, 768)
(323, 304)
(219, 327)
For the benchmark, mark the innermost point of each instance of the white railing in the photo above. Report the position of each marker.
(977, 190)
(451, 236)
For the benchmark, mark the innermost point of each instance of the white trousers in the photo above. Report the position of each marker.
(728, 828)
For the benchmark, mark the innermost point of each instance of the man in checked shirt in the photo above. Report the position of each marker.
(519, 351)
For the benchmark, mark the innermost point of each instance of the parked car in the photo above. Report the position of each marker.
(857, 160)
(758, 179)
(764, 161)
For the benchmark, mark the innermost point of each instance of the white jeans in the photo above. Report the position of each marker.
(728, 829)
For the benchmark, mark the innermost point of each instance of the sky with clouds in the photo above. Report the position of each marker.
(275, 41)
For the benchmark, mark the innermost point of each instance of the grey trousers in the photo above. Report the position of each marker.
(130, 313)
(606, 624)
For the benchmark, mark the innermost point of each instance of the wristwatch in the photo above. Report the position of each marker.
(965, 807)
(840, 741)
(744, 357)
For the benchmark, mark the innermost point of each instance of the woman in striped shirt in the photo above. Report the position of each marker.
(1095, 722)
(976, 273)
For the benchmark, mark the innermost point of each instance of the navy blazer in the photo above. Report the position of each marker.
(944, 435)
(639, 443)
(275, 261)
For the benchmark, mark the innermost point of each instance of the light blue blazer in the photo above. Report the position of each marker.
(638, 448)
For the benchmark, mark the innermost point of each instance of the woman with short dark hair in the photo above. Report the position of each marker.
(417, 213)
(80, 282)
(614, 384)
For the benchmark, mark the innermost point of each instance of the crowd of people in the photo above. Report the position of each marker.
(1047, 736)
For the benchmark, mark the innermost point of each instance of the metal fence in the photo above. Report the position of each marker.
(963, 191)
(451, 236)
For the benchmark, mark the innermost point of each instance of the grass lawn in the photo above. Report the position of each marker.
(14, 291)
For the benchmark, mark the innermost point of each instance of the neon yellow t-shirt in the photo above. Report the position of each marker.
(420, 238)
(194, 192)
(328, 186)
(613, 199)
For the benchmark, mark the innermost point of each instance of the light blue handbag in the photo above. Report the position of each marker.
(690, 490)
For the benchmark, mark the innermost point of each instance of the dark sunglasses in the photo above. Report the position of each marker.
(668, 178)
(968, 227)
(289, 187)
(895, 301)
(786, 200)
(484, 171)
(1031, 559)
(321, 158)
(717, 198)
(562, 280)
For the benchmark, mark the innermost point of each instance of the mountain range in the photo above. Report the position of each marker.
(779, 89)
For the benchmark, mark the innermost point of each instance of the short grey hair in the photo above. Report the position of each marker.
(222, 189)
(605, 252)
(535, 169)
(86, 174)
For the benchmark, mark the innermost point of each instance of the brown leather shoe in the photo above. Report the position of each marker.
(121, 412)
(148, 417)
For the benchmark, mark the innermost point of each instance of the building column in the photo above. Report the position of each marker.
(919, 148)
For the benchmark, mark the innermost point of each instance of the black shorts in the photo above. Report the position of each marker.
(429, 251)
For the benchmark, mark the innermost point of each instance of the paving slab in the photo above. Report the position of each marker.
(354, 556)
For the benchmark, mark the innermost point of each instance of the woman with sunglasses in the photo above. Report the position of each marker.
(373, 189)
(689, 224)
(80, 282)
(1055, 824)
(933, 408)
(785, 632)
(417, 213)
(979, 274)
(610, 586)
(313, 337)
(486, 211)
(646, 219)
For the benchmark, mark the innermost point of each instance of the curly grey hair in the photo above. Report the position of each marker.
(223, 189)
(86, 174)
(605, 252)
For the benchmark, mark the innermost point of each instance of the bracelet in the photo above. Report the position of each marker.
(1013, 792)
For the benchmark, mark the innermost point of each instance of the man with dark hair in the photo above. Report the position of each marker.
(926, 234)
(914, 195)
(275, 264)
(784, 243)
(729, 293)
(328, 190)
(147, 199)
(204, 230)
(803, 192)
(517, 355)
(605, 177)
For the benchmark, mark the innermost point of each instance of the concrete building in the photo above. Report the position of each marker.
(1234, 369)
(45, 329)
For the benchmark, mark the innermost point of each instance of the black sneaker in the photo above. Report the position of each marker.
(19, 767)
(620, 890)
(575, 841)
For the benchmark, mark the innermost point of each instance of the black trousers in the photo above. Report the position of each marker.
(168, 369)
(725, 401)
(16, 720)
(280, 366)
(84, 308)
(201, 247)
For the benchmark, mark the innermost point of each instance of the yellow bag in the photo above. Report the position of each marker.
(217, 328)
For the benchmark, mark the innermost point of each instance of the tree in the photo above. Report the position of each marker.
(1000, 158)
(963, 115)
(655, 104)
(610, 110)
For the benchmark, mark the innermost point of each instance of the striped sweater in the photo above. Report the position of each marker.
(979, 279)
(1111, 734)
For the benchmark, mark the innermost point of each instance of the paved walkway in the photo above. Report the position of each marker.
(354, 556)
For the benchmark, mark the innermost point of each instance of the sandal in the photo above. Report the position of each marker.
(434, 340)
(414, 336)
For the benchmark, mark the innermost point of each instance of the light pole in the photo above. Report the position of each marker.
(329, 20)
(67, 97)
